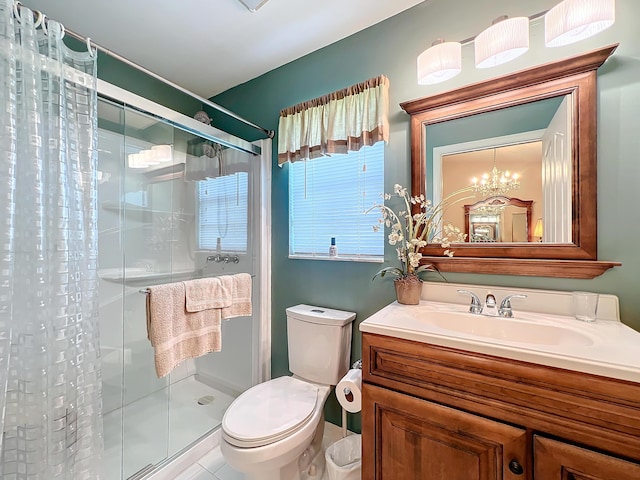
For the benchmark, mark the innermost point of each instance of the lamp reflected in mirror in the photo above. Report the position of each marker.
(537, 231)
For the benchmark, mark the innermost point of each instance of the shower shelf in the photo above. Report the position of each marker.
(137, 277)
(137, 210)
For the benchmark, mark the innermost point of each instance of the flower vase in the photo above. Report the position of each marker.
(408, 290)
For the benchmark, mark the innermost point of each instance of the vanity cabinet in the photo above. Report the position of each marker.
(436, 413)
(423, 440)
(561, 461)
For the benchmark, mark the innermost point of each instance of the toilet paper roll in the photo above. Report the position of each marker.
(349, 391)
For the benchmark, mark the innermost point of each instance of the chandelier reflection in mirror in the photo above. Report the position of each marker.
(496, 182)
(489, 210)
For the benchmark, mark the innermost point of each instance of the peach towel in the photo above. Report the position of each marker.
(240, 296)
(176, 334)
(205, 293)
(183, 320)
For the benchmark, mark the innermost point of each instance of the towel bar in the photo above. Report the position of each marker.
(146, 290)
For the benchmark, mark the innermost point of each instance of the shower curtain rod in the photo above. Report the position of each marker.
(90, 43)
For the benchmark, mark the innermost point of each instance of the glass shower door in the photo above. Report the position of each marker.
(173, 206)
(110, 274)
(148, 225)
(135, 251)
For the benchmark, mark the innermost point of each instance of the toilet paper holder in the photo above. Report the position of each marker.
(349, 397)
(347, 391)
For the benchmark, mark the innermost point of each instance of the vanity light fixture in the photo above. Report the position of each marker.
(508, 38)
(574, 20)
(505, 40)
(496, 182)
(440, 62)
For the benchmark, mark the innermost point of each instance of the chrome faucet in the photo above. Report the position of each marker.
(226, 259)
(505, 306)
(475, 306)
(490, 306)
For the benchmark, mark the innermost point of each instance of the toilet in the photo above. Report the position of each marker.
(273, 431)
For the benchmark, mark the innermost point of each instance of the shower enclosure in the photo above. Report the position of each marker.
(177, 200)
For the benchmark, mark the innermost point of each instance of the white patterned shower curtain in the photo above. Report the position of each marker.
(50, 385)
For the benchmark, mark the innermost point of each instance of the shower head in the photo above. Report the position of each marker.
(203, 117)
(208, 150)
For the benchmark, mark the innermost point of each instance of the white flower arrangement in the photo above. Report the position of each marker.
(410, 232)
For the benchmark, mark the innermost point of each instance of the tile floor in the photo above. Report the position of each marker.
(213, 467)
(159, 425)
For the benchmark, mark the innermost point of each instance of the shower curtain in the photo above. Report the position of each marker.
(50, 385)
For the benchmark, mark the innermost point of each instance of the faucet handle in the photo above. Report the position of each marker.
(490, 300)
(505, 306)
(476, 306)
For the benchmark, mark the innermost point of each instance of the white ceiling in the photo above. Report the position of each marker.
(210, 46)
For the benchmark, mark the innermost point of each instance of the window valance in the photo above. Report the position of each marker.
(339, 122)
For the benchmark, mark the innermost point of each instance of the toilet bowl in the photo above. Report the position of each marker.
(269, 431)
(273, 431)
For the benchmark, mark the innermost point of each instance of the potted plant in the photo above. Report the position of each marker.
(409, 233)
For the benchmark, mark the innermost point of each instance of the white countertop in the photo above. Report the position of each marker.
(612, 349)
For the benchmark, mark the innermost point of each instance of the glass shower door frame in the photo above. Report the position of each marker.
(262, 152)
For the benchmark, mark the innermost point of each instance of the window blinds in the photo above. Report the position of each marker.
(328, 197)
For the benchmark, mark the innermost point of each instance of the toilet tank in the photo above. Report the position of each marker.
(319, 343)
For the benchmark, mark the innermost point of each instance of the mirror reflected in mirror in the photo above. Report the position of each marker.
(501, 219)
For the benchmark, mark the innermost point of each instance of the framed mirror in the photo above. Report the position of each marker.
(533, 131)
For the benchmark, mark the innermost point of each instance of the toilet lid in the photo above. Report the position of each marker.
(270, 411)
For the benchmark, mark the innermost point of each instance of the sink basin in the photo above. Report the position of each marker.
(507, 329)
(606, 347)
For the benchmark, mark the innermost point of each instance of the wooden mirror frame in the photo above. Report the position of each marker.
(576, 77)
(499, 201)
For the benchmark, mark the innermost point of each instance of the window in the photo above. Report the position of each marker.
(328, 197)
(223, 213)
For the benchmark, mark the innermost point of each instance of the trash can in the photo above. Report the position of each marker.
(344, 458)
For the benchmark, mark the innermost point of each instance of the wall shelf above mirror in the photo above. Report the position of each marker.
(534, 132)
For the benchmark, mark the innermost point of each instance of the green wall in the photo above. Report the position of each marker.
(115, 72)
(391, 48)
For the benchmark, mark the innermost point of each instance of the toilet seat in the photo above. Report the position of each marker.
(269, 412)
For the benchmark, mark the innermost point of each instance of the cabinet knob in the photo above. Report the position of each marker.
(515, 467)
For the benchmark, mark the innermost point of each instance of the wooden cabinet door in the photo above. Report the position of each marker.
(408, 438)
(561, 461)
